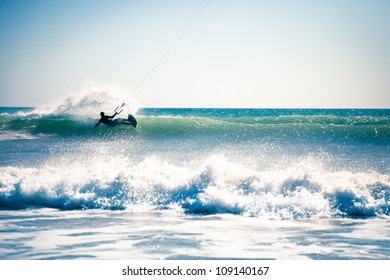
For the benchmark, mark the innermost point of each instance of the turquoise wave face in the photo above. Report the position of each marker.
(55, 125)
(226, 124)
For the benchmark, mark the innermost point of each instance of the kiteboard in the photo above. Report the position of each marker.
(129, 121)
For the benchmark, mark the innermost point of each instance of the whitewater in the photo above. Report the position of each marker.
(194, 183)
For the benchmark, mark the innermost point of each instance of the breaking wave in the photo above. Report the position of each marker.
(215, 186)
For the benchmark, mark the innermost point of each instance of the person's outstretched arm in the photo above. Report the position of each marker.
(113, 115)
(97, 124)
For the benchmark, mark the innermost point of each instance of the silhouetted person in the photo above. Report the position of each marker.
(108, 120)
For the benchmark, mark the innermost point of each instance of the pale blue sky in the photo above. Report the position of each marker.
(236, 54)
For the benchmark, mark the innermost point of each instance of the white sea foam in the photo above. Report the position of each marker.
(12, 135)
(89, 101)
(214, 186)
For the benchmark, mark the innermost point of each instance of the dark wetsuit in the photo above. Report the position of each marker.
(107, 120)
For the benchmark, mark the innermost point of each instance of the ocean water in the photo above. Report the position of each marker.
(194, 184)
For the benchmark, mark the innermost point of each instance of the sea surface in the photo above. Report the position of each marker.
(195, 184)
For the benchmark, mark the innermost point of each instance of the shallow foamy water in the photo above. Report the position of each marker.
(99, 234)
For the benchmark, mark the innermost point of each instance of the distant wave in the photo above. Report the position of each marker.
(307, 126)
(362, 128)
(217, 185)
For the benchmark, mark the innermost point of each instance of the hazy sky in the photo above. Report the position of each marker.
(238, 53)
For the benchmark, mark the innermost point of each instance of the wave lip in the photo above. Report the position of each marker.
(216, 187)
